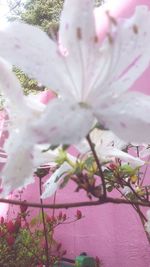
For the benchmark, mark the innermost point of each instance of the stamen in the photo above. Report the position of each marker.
(111, 19)
(95, 39)
(110, 38)
(79, 33)
(84, 105)
(135, 29)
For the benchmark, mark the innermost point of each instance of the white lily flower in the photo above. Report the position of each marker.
(52, 184)
(108, 147)
(92, 78)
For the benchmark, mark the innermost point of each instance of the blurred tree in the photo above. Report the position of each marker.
(42, 13)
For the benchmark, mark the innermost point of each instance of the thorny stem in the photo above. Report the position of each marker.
(98, 165)
(44, 225)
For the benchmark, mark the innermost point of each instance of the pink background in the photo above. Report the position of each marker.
(112, 232)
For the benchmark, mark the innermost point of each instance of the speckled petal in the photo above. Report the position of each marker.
(129, 117)
(52, 184)
(63, 122)
(31, 50)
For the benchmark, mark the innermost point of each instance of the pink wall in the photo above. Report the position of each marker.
(114, 233)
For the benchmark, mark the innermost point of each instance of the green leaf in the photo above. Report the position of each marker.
(65, 181)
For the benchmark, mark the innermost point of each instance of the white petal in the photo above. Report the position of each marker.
(111, 152)
(10, 86)
(126, 190)
(126, 58)
(106, 139)
(147, 227)
(145, 152)
(18, 171)
(41, 157)
(63, 122)
(3, 156)
(34, 103)
(132, 40)
(108, 146)
(83, 147)
(129, 117)
(148, 214)
(78, 35)
(31, 50)
(52, 184)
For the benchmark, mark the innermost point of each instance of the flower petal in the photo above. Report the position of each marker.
(112, 152)
(41, 157)
(145, 151)
(63, 122)
(106, 139)
(52, 184)
(127, 57)
(18, 171)
(132, 42)
(108, 146)
(10, 86)
(78, 35)
(31, 50)
(128, 117)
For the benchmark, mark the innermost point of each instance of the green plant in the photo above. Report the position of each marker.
(22, 241)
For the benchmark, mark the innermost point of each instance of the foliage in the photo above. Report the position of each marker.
(29, 85)
(42, 13)
(22, 240)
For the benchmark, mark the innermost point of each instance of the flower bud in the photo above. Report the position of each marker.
(10, 240)
(60, 215)
(79, 214)
(23, 208)
(64, 217)
(112, 166)
(10, 227)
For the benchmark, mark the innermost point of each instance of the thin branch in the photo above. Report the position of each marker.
(101, 201)
(52, 232)
(44, 225)
(98, 165)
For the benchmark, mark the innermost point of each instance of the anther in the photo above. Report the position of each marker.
(79, 33)
(135, 29)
